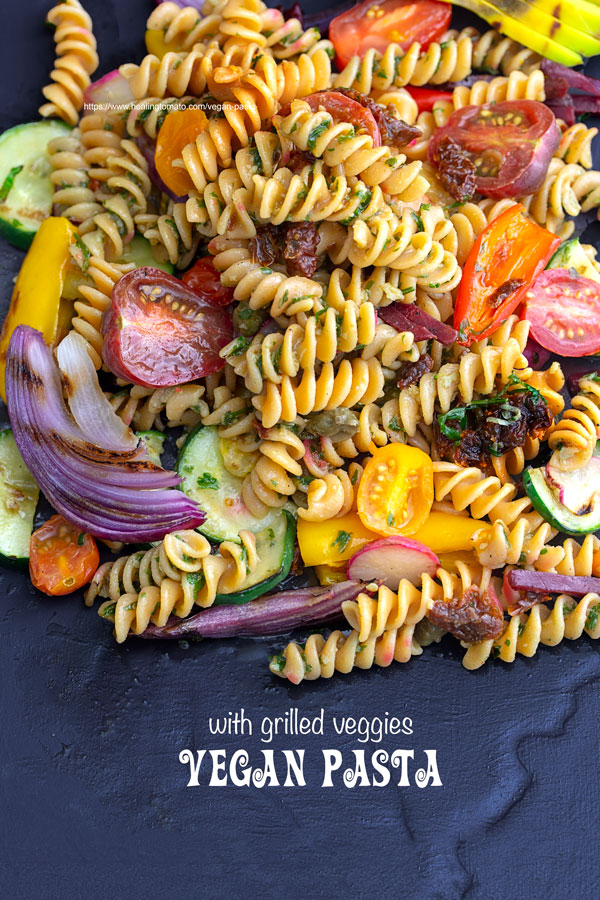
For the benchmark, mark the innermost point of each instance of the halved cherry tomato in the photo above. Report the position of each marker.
(396, 490)
(342, 109)
(511, 144)
(180, 128)
(377, 24)
(564, 311)
(62, 558)
(159, 333)
(205, 281)
(505, 259)
(426, 97)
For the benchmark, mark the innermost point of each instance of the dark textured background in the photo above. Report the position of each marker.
(93, 802)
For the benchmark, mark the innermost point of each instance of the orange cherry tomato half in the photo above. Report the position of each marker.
(396, 490)
(62, 558)
(180, 128)
(377, 24)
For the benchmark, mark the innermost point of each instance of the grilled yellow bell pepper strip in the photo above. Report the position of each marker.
(36, 296)
(156, 44)
(335, 540)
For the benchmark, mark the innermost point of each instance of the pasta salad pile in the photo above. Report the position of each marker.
(338, 277)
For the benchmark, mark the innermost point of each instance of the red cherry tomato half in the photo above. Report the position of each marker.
(564, 311)
(159, 333)
(426, 97)
(342, 109)
(505, 259)
(62, 558)
(511, 144)
(205, 281)
(377, 24)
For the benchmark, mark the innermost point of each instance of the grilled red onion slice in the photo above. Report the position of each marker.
(115, 494)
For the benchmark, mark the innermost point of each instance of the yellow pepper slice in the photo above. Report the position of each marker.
(332, 541)
(36, 296)
(445, 533)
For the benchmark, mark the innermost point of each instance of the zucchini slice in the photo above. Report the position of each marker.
(25, 185)
(217, 491)
(275, 549)
(18, 499)
(545, 498)
(154, 441)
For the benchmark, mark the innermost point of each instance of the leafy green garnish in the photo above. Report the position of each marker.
(208, 481)
(454, 422)
(341, 540)
(316, 133)
(8, 182)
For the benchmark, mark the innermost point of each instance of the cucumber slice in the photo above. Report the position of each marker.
(18, 499)
(571, 255)
(217, 491)
(275, 548)
(546, 502)
(154, 441)
(139, 251)
(26, 188)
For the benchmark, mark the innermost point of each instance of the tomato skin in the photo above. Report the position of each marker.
(396, 490)
(62, 558)
(510, 252)
(205, 281)
(564, 312)
(344, 109)
(376, 24)
(488, 133)
(150, 343)
(426, 97)
(180, 128)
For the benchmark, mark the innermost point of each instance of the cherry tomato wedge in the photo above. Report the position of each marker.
(342, 109)
(205, 281)
(426, 97)
(511, 144)
(564, 311)
(61, 558)
(159, 333)
(377, 24)
(396, 490)
(180, 128)
(505, 259)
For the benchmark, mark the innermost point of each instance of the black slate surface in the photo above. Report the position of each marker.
(93, 798)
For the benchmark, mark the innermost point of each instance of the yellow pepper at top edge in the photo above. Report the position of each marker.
(37, 293)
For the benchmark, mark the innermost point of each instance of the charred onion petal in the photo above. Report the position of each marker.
(395, 316)
(573, 78)
(273, 614)
(549, 583)
(112, 494)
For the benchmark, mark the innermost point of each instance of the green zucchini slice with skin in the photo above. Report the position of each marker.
(571, 255)
(154, 441)
(275, 550)
(25, 184)
(18, 499)
(219, 493)
(579, 488)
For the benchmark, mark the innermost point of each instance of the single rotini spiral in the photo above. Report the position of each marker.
(574, 437)
(270, 483)
(182, 27)
(328, 496)
(247, 101)
(567, 190)
(95, 289)
(76, 60)
(101, 136)
(123, 196)
(338, 145)
(469, 489)
(175, 74)
(350, 383)
(170, 579)
(73, 197)
(516, 86)
(570, 558)
(171, 232)
(522, 543)
(340, 652)
(294, 79)
(319, 339)
(524, 633)
(576, 145)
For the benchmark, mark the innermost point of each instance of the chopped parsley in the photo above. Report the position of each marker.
(208, 481)
(341, 540)
(8, 182)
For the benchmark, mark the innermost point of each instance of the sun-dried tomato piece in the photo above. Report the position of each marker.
(476, 616)
(456, 171)
(526, 600)
(264, 248)
(410, 373)
(300, 248)
(394, 130)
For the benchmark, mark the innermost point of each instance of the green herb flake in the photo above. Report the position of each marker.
(341, 540)
(208, 482)
(8, 182)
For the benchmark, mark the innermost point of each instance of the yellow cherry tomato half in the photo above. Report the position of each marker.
(180, 128)
(396, 490)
